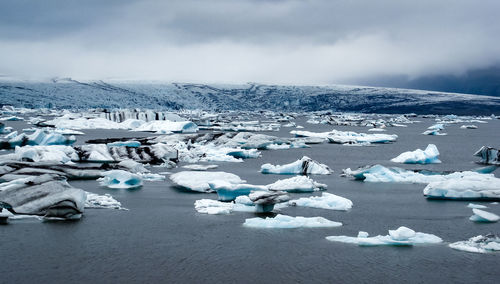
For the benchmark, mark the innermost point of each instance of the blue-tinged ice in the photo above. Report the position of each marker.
(403, 236)
(227, 191)
(477, 206)
(483, 216)
(120, 179)
(133, 144)
(288, 222)
(428, 156)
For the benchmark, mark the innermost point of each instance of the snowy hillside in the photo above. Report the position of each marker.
(68, 93)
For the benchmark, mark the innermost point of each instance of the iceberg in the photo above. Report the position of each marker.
(403, 236)
(488, 155)
(134, 144)
(325, 201)
(240, 204)
(120, 179)
(39, 137)
(156, 154)
(287, 222)
(297, 184)
(470, 126)
(472, 186)
(55, 154)
(11, 170)
(265, 200)
(229, 191)
(379, 173)
(106, 201)
(428, 156)
(200, 167)
(347, 137)
(199, 181)
(45, 195)
(483, 216)
(166, 126)
(71, 122)
(477, 206)
(304, 166)
(478, 244)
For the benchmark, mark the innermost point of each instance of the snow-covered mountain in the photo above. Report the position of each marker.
(71, 94)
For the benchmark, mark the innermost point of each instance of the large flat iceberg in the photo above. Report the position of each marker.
(471, 186)
(403, 236)
(283, 221)
(120, 179)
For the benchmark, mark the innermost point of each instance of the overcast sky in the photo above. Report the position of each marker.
(280, 41)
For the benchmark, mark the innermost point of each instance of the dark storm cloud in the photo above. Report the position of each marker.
(239, 41)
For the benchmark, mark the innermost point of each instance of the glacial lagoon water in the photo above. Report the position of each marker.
(161, 238)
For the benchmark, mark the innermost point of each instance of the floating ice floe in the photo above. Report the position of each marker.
(478, 244)
(304, 166)
(200, 167)
(199, 181)
(155, 154)
(483, 216)
(45, 195)
(347, 137)
(240, 204)
(470, 126)
(297, 184)
(120, 179)
(133, 166)
(477, 206)
(428, 156)
(489, 155)
(403, 236)
(55, 153)
(165, 127)
(379, 173)
(287, 222)
(106, 201)
(325, 201)
(229, 191)
(39, 137)
(466, 186)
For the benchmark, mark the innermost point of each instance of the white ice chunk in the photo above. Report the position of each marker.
(483, 216)
(478, 206)
(283, 221)
(199, 181)
(105, 201)
(166, 126)
(120, 179)
(303, 166)
(297, 184)
(200, 167)
(403, 236)
(468, 186)
(325, 201)
(428, 156)
(478, 244)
